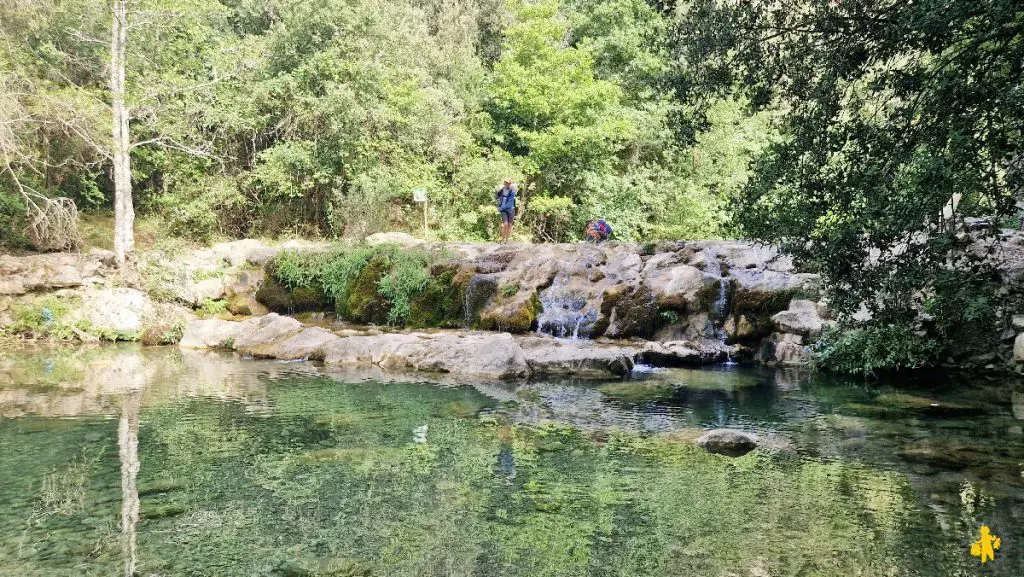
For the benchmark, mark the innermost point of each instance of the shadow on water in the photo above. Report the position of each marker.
(120, 460)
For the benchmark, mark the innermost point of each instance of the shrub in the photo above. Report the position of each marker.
(870, 348)
(361, 281)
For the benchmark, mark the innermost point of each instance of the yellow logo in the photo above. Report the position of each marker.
(986, 546)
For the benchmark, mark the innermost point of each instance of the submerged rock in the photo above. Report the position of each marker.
(729, 442)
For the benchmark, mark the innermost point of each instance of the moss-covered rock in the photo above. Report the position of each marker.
(442, 302)
(627, 311)
(518, 315)
(280, 299)
(364, 303)
(162, 334)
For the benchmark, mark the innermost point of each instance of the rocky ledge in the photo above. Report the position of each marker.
(480, 354)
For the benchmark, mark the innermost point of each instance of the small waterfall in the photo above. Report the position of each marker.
(564, 312)
(720, 308)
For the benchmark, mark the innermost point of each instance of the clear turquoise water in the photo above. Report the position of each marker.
(249, 467)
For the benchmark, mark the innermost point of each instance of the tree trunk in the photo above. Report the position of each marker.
(124, 212)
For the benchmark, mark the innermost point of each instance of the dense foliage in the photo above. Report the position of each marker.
(262, 117)
(901, 119)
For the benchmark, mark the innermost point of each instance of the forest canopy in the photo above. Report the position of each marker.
(268, 117)
(860, 136)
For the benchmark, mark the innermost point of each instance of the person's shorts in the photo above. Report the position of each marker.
(507, 216)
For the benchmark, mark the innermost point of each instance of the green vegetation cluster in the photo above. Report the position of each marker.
(267, 117)
(383, 284)
(898, 121)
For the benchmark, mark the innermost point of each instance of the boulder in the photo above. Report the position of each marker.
(746, 328)
(729, 442)
(263, 331)
(1018, 348)
(801, 318)
(243, 281)
(580, 358)
(246, 305)
(494, 355)
(211, 334)
(628, 311)
(686, 352)
(51, 271)
(309, 343)
(784, 349)
(208, 289)
(119, 310)
(679, 286)
(767, 291)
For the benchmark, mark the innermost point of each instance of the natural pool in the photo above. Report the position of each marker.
(247, 467)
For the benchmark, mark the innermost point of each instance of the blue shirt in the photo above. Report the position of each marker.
(506, 198)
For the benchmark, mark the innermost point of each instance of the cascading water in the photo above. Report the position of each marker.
(564, 312)
(720, 308)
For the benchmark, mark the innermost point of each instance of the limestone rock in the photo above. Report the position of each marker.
(678, 286)
(628, 312)
(119, 310)
(246, 305)
(784, 350)
(579, 358)
(208, 289)
(686, 352)
(1018, 348)
(729, 442)
(211, 334)
(475, 354)
(399, 238)
(310, 343)
(801, 318)
(264, 331)
(769, 291)
(51, 271)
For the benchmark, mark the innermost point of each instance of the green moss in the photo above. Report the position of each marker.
(517, 317)
(278, 298)
(442, 302)
(212, 308)
(363, 302)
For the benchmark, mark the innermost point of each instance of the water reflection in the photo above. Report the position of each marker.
(128, 449)
(229, 466)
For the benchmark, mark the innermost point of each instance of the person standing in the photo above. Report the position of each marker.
(505, 197)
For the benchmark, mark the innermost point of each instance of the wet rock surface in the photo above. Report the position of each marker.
(729, 442)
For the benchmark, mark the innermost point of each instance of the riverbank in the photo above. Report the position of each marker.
(610, 305)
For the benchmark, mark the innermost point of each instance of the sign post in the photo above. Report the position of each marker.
(420, 195)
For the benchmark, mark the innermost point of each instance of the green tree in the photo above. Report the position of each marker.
(901, 119)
